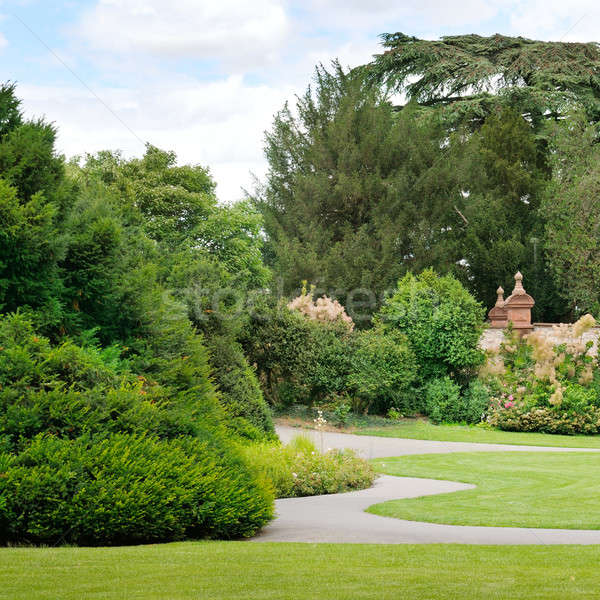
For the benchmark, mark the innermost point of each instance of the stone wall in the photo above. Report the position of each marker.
(492, 338)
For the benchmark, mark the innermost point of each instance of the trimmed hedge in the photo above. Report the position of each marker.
(546, 420)
(127, 489)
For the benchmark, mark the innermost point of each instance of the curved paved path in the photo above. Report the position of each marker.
(369, 446)
(341, 517)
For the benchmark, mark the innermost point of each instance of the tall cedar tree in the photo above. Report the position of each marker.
(32, 192)
(469, 76)
(356, 195)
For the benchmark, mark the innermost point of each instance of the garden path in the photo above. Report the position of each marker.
(341, 518)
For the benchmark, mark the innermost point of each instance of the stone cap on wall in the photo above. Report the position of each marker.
(516, 309)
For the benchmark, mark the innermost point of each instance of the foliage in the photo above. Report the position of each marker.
(240, 393)
(126, 489)
(299, 469)
(208, 255)
(446, 403)
(355, 195)
(383, 371)
(545, 386)
(571, 212)
(440, 319)
(69, 391)
(469, 76)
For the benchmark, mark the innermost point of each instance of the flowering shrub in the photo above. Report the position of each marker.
(299, 469)
(545, 386)
(323, 309)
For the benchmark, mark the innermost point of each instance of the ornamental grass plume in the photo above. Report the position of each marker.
(494, 365)
(543, 350)
(587, 375)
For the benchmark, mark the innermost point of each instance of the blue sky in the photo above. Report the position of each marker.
(204, 78)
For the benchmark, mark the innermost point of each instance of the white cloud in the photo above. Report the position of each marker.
(385, 16)
(218, 124)
(234, 31)
(3, 41)
(574, 21)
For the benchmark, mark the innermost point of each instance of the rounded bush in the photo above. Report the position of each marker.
(127, 489)
(442, 321)
(444, 402)
(442, 398)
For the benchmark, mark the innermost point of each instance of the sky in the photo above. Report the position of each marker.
(205, 77)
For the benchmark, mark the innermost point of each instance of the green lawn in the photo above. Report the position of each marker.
(417, 429)
(244, 570)
(522, 489)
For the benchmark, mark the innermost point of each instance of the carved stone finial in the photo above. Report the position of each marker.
(500, 299)
(519, 289)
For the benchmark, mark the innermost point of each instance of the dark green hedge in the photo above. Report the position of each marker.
(127, 489)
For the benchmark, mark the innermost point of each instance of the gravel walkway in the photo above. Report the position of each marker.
(341, 517)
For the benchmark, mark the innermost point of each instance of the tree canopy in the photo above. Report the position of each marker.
(468, 76)
(355, 195)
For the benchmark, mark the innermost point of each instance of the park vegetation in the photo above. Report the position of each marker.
(148, 332)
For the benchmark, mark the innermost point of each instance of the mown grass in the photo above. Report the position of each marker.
(418, 429)
(246, 570)
(520, 489)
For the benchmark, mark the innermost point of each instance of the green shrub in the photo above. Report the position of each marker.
(298, 360)
(383, 370)
(475, 402)
(239, 390)
(69, 390)
(299, 469)
(442, 397)
(444, 402)
(442, 321)
(127, 489)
